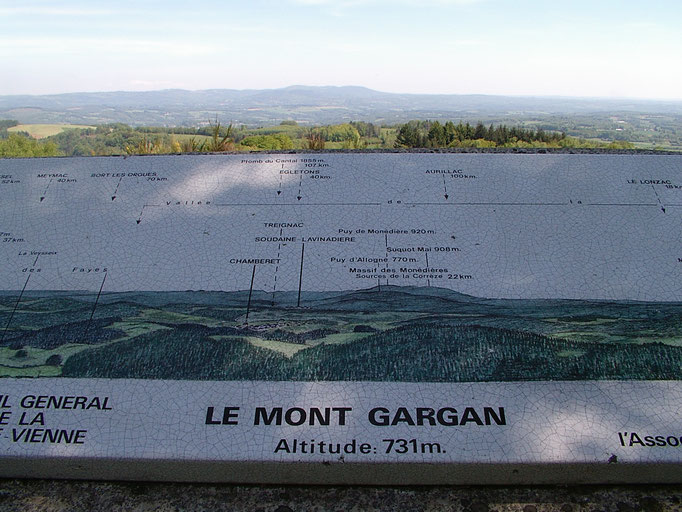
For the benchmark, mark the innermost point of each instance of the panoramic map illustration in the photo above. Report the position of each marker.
(385, 333)
(442, 268)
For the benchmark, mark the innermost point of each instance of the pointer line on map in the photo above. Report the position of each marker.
(386, 265)
(248, 303)
(46, 189)
(279, 190)
(445, 187)
(279, 252)
(113, 197)
(94, 307)
(428, 281)
(300, 277)
(15, 307)
(139, 219)
(19, 299)
(300, 185)
(658, 199)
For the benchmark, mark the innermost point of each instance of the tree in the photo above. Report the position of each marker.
(354, 141)
(410, 136)
(268, 142)
(450, 132)
(437, 135)
(4, 125)
(21, 146)
(366, 129)
(480, 132)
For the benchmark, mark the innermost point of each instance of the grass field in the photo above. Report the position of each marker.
(40, 131)
(287, 349)
(182, 137)
(33, 364)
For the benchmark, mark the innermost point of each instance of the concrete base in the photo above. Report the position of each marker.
(77, 496)
(342, 473)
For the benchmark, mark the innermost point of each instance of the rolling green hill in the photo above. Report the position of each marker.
(390, 333)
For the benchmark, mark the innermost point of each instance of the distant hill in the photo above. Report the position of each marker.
(306, 105)
(401, 298)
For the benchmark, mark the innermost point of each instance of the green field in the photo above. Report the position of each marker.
(182, 137)
(41, 131)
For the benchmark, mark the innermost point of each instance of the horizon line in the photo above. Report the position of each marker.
(352, 290)
(350, 86)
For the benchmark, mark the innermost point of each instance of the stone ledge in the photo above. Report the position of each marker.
(76, 496)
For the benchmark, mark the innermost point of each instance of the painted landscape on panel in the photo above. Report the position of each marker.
(387, 333)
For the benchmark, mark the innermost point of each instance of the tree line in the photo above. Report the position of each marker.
(122, 139)
(433, 134)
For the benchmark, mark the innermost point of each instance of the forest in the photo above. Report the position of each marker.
(365, 335)
(413, 353)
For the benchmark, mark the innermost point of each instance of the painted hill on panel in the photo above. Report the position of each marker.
(389, 333)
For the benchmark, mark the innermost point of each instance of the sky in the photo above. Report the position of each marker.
(595, 48)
